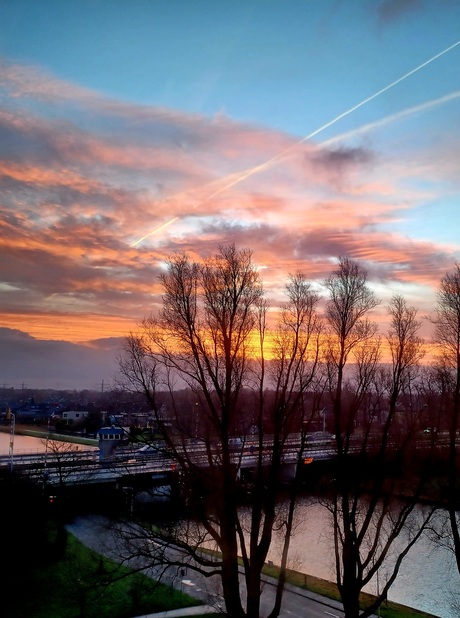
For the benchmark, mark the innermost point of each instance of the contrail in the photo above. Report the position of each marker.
(262, 166)
(392, 118)
(259, 168)
(373, 96)
(158, 229)
(338, 138)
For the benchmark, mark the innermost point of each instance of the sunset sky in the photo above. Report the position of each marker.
(301, 129)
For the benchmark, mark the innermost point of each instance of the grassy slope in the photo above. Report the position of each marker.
(82, 584)
(329, 590)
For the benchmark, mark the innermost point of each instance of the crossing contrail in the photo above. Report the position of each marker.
(338, 138)
(237, 178)
(269, 162)
(392, 118)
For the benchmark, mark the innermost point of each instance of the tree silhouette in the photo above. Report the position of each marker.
(447, 335)
(369, 520)
(212, 337)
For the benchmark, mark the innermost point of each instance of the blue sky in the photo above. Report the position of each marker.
(185, 124)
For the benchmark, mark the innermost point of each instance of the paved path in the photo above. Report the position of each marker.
(186, 611)
(297, 602)
(324, 607)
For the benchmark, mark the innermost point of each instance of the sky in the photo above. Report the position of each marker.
(304, 130)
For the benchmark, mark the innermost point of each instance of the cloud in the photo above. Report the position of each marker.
(82, 178)
(392, 10)
(67, 365)
(337, 164)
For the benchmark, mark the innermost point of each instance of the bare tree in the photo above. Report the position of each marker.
(407, 350)
(294, 372)
(447, 335)
(369, 522)
(138, 369)
(211, 329)
(63, 469)
(350, 299)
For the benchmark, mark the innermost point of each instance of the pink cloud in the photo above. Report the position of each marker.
(75, 193)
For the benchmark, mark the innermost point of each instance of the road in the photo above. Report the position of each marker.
(95, 533)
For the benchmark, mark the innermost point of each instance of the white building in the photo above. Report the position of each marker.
(74, 415)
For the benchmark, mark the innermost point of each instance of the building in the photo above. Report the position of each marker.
(74, 416)
(109, 439)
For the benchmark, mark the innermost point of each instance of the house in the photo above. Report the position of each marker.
(74, 416)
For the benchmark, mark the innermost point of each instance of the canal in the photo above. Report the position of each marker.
(428, 579)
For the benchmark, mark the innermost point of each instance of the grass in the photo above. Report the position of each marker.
(329, 590)
(83, 584)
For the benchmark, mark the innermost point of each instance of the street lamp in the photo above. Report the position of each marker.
(129, 493)
(45, 473)
(46, 444)
(13, 420)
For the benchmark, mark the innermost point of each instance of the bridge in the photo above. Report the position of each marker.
(82, 467)
(85, 467)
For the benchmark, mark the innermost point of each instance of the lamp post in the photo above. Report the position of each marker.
(45, 462)
(47, 440)
(13, 420)
(129, 492)
(323, 412)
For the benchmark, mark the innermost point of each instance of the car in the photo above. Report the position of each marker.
(321, 437)
(235, 442)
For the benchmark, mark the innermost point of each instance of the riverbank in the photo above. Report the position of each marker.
(299, 579)
(94, 532)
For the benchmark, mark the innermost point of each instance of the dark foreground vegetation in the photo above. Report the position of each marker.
(82, 584)
(55, 576)
(76, 586)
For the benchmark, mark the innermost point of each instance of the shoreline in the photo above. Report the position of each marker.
(298, 579)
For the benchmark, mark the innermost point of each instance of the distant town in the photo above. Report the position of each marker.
(79, 411)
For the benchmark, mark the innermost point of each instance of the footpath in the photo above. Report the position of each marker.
(201, 610)
(186, 611)
(297, 602)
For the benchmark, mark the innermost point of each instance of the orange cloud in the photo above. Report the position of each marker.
(78, 328)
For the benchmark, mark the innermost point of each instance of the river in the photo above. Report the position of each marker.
(28, 444)
(428, 578)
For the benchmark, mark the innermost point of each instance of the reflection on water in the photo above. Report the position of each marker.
(27, 444)
(428, 579)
